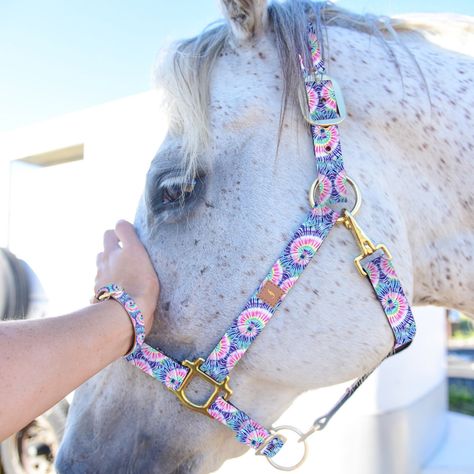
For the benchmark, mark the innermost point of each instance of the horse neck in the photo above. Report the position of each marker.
(417, 154)
(430, 170)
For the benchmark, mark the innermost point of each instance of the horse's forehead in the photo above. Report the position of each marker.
(247, 80)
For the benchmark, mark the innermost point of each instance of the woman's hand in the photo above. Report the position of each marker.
(129, 266)
(75, 346)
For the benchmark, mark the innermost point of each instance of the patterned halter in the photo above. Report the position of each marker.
(325, 111)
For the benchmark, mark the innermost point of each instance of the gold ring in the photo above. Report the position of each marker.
(305, 452)
(354, 186)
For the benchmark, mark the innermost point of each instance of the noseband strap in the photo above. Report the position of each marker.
(325, 111)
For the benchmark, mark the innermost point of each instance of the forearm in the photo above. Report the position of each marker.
(41, 361)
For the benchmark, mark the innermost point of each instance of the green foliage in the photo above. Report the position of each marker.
(464, 329)
(461, 400)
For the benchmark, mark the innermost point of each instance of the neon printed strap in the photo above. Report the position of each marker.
(136, 317)
(322, 105)
(256, 313)
(266, 299)
(159, 366)
(172, 374)
(389, 292)
(247, 431)
(332, 186)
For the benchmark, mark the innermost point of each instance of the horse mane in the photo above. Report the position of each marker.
(450, 31)
(184, 72)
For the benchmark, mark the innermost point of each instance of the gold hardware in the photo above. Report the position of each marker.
(272, 436)
(358, 196)
(105, 295)
(365, 244)
(194, 369)
(341, 107)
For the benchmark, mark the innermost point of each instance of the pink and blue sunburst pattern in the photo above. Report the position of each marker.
(389, 292)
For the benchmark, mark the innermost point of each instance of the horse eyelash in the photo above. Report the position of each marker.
(182, 190)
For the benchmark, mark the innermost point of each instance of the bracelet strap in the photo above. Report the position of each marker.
(136, 317)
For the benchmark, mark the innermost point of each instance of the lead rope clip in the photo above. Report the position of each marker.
(366, 246)
(318, 425)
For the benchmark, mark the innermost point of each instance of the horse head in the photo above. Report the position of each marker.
(229, 186)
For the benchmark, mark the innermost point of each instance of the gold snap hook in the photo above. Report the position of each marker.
(366, 246)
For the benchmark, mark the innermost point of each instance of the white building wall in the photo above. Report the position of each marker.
(54, 217)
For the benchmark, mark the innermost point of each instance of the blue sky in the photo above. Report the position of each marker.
(58, 56)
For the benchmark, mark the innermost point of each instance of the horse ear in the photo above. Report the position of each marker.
(247, 18)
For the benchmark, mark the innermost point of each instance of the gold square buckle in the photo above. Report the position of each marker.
(194, 369)
(341, 107)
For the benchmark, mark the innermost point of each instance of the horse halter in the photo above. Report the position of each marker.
(325, 111)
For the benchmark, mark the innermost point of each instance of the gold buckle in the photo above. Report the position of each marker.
(105, 295)
(194, 369)
(365, 244)
(341, 106)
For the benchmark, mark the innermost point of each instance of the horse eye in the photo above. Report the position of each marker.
(177, 192)
(171, 195)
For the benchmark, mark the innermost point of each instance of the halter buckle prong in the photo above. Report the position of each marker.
(365, 244)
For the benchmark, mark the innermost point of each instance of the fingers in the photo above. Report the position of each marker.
(126, 233)
(110, 241)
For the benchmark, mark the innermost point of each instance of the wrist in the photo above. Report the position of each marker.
(148, 309)
(129, 307)
(121, 333)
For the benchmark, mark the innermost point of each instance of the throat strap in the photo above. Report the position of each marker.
(389, 292)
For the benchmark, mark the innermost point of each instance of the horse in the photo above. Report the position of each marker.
(227, 188)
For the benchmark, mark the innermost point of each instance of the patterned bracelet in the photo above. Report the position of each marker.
(136, 317)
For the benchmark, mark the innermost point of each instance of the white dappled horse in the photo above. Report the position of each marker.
(239, 155)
